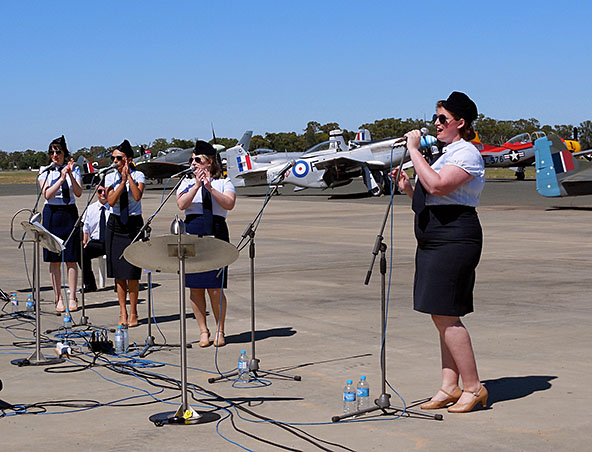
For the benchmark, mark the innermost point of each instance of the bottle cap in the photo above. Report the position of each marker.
(349, 382)
(363, 377)
(243, 352)
(118, 327)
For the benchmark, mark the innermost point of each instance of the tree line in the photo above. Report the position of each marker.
(491, 131)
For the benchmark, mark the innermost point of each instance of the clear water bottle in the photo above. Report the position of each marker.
(363, 393)
(349, 398)
(30, 304)
(67, 321)
(119, 341)
(14, 303)
(125, 339)
(243, 367)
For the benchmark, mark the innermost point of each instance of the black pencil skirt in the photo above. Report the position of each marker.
(207, 280)
(60, 220)
(118, 237)
(449, 244)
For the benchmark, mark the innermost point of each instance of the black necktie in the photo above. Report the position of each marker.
(102, 225)
(65, 192)
(208, 217)
(123, 205)
(419, 197)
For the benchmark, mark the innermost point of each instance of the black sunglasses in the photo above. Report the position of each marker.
(58, 152)
(442, 118)
(118, 157)
(100, 191)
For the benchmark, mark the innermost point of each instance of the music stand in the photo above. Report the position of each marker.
(178, 253)
(51, 243)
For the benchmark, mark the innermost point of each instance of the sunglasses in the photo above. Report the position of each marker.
(119, 158)
(101, 191)
(442, 118)
(52, 152)
(198, 160)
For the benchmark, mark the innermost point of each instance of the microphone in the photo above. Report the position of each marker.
(50, 167)
(184, 172)
(281, 173)
(108, 168)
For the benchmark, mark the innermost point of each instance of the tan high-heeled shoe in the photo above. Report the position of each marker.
(437, 404)
(480, 397)
(219, 340)
(204, 338)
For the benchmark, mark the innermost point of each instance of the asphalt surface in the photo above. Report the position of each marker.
(315, 318)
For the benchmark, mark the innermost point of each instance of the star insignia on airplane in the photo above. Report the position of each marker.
(514, 156)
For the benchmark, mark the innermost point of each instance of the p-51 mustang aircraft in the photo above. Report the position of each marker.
(516, 152)
(558, 173)
(327, 165)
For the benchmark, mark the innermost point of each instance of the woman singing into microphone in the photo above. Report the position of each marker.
(60, 185)
(449, 243)
(206, 199)
(124, 193)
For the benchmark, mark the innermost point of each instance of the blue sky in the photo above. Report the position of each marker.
(100, 72)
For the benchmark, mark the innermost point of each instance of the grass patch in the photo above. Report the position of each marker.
(18, 177)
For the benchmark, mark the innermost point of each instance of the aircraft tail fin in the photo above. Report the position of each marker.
(363, 135)
(238, 160)
(553, 163)
(245, 141)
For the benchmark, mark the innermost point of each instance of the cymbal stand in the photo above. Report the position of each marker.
(37, 358)
(249, 234)
(185, 414)
(382, 403)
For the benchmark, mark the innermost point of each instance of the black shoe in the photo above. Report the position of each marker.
(89, 289)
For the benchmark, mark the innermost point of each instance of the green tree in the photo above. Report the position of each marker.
(160, 144)
(585, 134)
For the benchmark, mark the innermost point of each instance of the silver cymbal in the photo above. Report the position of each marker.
(46, 239)
(202, 254)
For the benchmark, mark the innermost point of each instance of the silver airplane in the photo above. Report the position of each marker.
(327, 165)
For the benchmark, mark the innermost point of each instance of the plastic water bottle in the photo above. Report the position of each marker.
(30, 304)
(363, 393)
(119, 341)
(67, 321)
(14, 303)
(125, 339)
(349, 398)
(243, 367)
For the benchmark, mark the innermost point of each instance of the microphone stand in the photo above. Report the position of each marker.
(382, 403)
(249, 235)
(146, 229)
(79, 225)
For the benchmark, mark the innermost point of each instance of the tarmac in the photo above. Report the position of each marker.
(315, 318)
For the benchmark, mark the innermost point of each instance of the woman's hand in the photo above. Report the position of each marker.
(196, 174)
(402, 181)
(413, 140)
(206, 179)
(125, 172)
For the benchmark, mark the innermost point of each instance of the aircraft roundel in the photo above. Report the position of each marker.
(301, 168)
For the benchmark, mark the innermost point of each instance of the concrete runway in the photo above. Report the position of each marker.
(315, 317)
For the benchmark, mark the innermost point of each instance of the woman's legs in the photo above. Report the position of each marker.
(217, 298)
(133, 287)
(121, 297)
(72, 268)
(55, 272)
(457, 357)
(198, 304)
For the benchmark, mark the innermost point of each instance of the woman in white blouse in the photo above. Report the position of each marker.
(206, 198)
(60, 186)
(449, 243)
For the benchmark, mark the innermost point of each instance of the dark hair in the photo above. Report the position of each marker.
(61, 143)
(466, 132)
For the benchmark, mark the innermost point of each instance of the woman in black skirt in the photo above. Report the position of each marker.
(124, 193)
(449, 242)
(60, 185)
(206, 198)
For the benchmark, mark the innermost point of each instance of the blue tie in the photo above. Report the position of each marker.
(124, 207)
(65, 192)
(208, 216)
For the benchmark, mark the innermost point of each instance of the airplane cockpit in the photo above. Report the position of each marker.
(526, 137)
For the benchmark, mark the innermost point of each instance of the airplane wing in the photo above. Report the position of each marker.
(160, 170)
(348, 163)
(254, 176)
